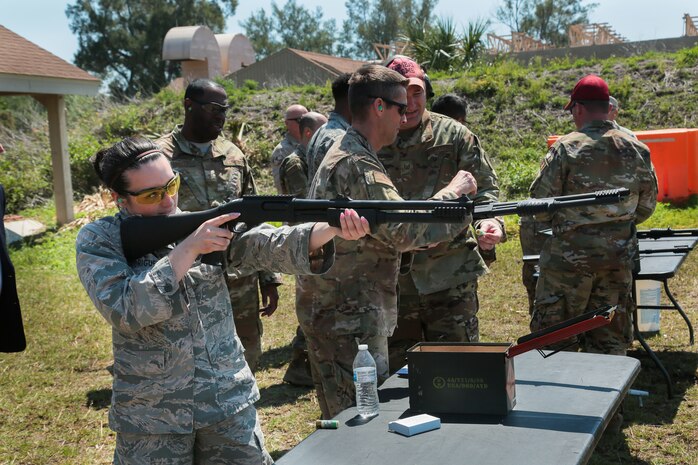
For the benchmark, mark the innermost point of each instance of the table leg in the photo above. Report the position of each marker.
(649, 350)
(680, 310)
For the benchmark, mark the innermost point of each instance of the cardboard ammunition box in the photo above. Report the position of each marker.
(478, 378)
(464, 378)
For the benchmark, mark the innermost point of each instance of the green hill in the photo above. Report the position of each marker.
(513, 108)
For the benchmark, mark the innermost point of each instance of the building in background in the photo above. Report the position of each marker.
(295, 67)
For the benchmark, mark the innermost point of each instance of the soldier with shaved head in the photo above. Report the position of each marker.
(290, 142)
(293, 174)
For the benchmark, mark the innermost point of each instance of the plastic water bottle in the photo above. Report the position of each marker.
(366, 383)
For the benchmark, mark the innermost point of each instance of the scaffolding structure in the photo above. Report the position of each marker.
(516, 42)
(583, 35)
(689, 25)
(385, 51)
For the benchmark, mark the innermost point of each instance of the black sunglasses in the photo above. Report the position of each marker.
(401, 107)
(575, 103)
(213, 107)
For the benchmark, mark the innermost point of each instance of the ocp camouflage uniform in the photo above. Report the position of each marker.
(293, 175)
(322, 140)
(588, 261)
(210, 179)
(282, 150)
(179, 369)
(531, 244)
(357, 301)
(438, 297)
(625, 130)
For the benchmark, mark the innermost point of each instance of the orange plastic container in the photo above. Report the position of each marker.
(674, 154)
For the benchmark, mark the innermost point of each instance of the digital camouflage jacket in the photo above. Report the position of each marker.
(178, 363)
(210, 179)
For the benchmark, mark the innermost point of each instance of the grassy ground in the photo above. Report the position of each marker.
(54, 397)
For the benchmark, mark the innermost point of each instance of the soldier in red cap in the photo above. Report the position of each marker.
(438, 286)
(588, 261)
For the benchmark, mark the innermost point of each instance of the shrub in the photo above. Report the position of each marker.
(517, 169)
(25, 173)
(81, 150)
(687, 57)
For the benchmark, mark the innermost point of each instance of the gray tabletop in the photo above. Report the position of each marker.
(564, 403)
(663, 265)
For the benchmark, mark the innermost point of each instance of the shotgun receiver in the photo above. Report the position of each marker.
(144, 234)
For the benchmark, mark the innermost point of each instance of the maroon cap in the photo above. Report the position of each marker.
(408, 68)
(590, 87)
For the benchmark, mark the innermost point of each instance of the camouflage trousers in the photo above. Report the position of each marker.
(445, 316)
(528, 278)
(331, 361)
(531, 244)
(563, 294)
(238, 439)
(244, 296)
(298, 343)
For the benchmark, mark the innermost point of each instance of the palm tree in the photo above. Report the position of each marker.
(440, 47)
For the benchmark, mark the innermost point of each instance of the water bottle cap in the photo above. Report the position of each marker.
(363, 346)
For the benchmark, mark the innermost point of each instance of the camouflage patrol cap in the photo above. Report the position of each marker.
(589, 88)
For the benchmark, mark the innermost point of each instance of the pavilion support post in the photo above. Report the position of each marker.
(60, 158)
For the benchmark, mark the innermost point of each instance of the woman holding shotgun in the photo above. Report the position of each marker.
(182, 391)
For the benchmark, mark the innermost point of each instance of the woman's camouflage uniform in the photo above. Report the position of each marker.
(178, 363)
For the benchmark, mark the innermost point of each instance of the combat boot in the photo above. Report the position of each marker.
(298, 372)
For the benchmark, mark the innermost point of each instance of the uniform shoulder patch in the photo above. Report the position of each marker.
(166, 144)
(232, 155)
(552, 153)
(376, 177)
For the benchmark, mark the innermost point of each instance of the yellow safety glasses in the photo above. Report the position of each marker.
(154, 195)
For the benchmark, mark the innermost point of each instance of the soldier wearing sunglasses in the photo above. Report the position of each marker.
(214, 171)
(182, 390)
(356, 302)
(438, 297)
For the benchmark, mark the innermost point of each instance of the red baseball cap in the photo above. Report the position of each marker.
(590, 87)
(408, 68)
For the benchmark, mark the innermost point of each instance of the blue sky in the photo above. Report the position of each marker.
(44, 21)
